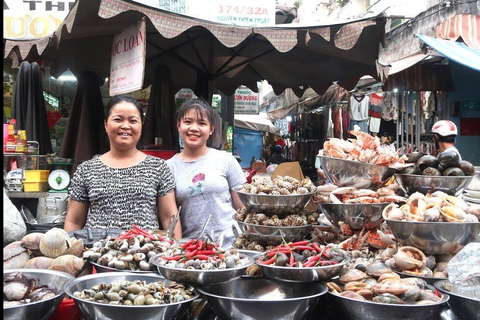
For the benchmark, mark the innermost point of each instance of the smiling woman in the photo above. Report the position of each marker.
(204, 177)
(123, 186)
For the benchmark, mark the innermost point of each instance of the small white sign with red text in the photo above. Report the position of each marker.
(246, 101)
(128, 59)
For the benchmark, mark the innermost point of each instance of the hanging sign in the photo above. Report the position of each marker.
(237, 12)
(246, 101)
(128, 59)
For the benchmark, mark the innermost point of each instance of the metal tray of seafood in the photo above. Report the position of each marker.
(463, 307)
(349, 173)
(273, 204)
(273, 234)
(101, 269)
(428, 280)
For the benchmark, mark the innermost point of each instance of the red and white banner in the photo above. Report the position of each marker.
(128, 59)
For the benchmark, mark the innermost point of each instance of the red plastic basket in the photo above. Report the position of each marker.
(67, 310)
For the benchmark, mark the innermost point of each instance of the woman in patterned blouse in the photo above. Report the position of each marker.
(124, 185)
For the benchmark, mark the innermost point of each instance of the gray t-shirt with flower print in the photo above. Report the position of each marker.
(203, 187)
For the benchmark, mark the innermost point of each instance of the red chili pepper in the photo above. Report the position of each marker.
(191, 247)
(177, 257)
(202, 257)
(299, 243)
(191, 253)
(309, 264)
(221, 256)
(316, 247)
(200, 243)
(269, 261)
(185, 245)
(313, 258)
(207, 252)
(304, 248)
(292, 259)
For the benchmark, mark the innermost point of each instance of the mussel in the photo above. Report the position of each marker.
(467, 168)
(414, 156)
(430, 171)
(448, 158)
(427, 161)
(453, 171)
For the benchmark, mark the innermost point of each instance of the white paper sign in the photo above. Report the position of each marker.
(237, 12)
(246, 101)
(128, 59)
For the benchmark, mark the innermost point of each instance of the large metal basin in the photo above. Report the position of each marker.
(272, 204)
(411, 183)
(348, 173)
(254, 299)
(435, 237)
(463, 307)
(356, 215)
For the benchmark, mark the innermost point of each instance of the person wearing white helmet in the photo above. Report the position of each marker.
(444, 133)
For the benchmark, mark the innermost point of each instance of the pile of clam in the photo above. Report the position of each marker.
(18, 290)
(281, 185)
(434, 207)
(127, 254)
(136, 292)
(231, 258)
(301, 218)
(378, 284)
(334, 194)
(53, 250)
(413, 262)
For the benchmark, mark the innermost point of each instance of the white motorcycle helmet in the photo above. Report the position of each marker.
(444, 128)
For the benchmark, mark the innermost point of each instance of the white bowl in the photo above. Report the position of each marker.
(473, 193)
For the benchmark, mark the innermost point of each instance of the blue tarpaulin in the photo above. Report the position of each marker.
(456, 51)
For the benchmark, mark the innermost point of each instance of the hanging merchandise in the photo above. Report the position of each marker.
(375, 112)
(358, 111)
(390, 106)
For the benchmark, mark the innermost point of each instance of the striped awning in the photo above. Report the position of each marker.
(466, 26)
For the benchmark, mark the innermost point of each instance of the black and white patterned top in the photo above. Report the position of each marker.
(119, 197)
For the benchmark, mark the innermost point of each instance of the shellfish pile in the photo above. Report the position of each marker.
(382, 286)
(365, 148)
(18, 290)
(302, 218)
(53, 250)
(131, 254)
(281, 185)
(136, 292)
(435, 207)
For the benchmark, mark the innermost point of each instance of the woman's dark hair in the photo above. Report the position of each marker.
(204, 110)
(123, 98)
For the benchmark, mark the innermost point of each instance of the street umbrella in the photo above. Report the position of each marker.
(85, 134)
(29, 106)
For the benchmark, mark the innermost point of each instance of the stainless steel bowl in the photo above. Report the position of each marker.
(356, 215)
(428, 280)
(348, 173)
(273, 235)
(271, 204)
(352, 309)
(249, 299)
(94, 310)
(42, 309)
(293, 274)
(411, 183)
(101, 269)
(199, 277)
(463, 307)
(435, 237)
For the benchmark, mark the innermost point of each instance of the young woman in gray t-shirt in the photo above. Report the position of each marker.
(203, 176)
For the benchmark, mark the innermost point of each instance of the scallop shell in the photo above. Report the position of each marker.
(55, 242)
(38, 263)
(32, 240)
(68, 263)
(76, 249)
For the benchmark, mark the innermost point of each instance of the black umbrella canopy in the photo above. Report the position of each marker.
(29, 106)
(225, 56)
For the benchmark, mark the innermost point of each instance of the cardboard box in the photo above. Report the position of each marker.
(261, 165)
